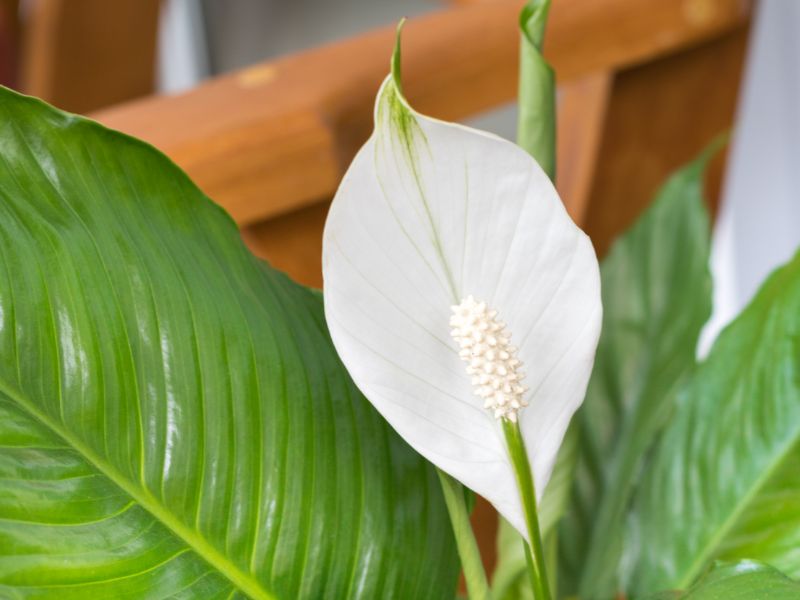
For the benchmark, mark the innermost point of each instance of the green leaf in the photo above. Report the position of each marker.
(746, 580)
(656, 298)
(174, 421)
(536, 124)
(725, 482)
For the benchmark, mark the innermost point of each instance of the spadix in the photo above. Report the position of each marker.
(492, 362)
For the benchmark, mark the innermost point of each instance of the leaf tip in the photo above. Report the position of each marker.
(532, 21)
(396, 56)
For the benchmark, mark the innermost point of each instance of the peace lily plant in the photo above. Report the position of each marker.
(176, 422)
(464, 302)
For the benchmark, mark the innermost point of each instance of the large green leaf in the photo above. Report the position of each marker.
(174, 421)
(656, 297)
(746, 580)
(725, 482)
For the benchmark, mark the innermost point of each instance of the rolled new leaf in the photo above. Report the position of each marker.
(536, 125)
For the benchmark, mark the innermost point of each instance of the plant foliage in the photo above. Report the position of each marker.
(174, 421)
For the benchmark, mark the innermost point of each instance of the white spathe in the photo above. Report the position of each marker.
(428, 214)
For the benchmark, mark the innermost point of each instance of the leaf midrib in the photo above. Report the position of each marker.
(714, 542)
(242, 580)
(758, 484)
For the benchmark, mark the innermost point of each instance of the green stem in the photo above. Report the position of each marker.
(534, 552)
(475, 576)
(536, 133)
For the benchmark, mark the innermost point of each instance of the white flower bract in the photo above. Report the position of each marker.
(428, 214)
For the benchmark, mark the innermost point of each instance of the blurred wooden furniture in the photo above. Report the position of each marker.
(82, 55)
(644, 85)
(9, 37)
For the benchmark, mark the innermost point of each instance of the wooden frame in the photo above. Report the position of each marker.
(277, 137)
(82, 55)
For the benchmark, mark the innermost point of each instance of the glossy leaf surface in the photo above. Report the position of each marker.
(174, 421)
(724, 482)
(746, 580)
(656, 297)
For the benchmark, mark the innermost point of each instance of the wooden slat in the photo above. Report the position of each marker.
(660, 116)
(594, 35)
(293, 242)
(9, 39)
(581, 117)
(82, 55)
(278, 136)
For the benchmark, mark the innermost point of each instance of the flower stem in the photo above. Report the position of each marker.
(475, 576)
(534, 552)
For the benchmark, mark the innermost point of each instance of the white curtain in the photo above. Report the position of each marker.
(759, 224)
(182, 46)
